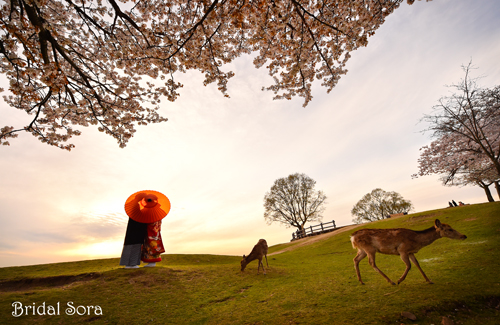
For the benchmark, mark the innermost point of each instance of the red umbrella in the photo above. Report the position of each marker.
(147, 206)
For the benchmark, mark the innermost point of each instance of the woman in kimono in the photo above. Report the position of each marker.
(153, 245)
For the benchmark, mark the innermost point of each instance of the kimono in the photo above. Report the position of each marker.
(134, 238)
(153, 245)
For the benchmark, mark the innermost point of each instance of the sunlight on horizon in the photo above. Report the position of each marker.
(108, 248)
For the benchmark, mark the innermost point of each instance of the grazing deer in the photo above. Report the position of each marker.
(258, 251)
(400, 241)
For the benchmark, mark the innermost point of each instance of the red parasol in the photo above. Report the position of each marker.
(147, 206)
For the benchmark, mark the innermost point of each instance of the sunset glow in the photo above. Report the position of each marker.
(215, 157)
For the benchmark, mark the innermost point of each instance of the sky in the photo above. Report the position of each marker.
(216, 157)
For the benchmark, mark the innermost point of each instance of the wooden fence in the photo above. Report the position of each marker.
(314, 230)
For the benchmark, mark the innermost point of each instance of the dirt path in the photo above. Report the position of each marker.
(313, 239)
(46, 282)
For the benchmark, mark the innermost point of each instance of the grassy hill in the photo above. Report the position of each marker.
(308, 282)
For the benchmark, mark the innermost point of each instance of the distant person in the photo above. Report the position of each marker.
(460, 203)
(451, 205)
(454, 203)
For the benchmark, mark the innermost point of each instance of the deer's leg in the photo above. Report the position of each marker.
(260, 263)
(406, 260)
(266, 261)
(361, 254)
(414, 260)
(371, 259)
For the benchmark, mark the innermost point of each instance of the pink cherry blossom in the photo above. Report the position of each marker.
(110, 63)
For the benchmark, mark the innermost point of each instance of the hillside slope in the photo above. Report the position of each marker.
(309, 282)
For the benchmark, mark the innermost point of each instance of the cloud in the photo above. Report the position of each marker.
(95, 227)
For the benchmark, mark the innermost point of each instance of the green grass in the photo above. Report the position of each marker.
(310, 284)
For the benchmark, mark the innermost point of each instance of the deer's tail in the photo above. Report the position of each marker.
(353, 242)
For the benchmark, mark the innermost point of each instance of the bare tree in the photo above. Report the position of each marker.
(293, 201)
(466, 129)
(471, 116)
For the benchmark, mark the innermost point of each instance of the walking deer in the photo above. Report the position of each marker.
(258, 251)
(400, 241)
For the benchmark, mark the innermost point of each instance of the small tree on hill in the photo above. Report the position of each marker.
(293, 201)
(378, 204)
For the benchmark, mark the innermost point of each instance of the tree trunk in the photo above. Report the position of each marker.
(486, 189)
(497, 186)
(301, 231)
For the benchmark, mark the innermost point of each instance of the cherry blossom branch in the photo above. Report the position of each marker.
(192, 30)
